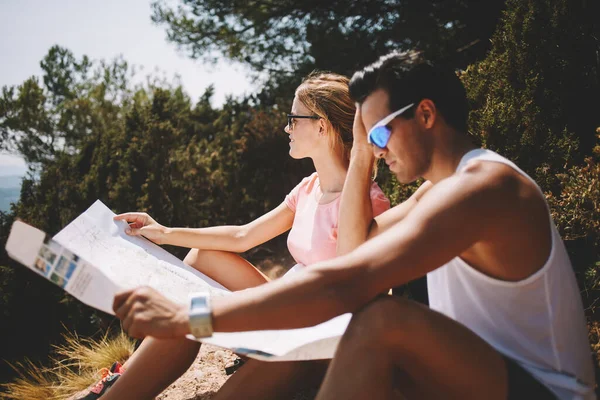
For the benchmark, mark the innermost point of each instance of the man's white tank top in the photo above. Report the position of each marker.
(538, 321)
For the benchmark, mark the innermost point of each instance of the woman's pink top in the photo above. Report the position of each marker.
(313, 235)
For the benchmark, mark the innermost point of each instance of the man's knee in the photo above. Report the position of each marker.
(387, 320)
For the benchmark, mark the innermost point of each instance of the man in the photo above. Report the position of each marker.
(506, 320)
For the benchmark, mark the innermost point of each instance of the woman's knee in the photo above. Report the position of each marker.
(202, 256)
(194, 258)
(197, 258)
(191, 257)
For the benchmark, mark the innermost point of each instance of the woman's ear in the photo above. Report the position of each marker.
(322, 127)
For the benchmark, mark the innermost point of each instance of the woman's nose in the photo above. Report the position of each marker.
(287, 129)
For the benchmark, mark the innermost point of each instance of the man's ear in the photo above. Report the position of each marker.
(426, 113)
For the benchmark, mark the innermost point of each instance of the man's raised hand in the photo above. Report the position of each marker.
(358, 131)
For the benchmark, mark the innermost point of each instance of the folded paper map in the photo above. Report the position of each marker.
(92, 259)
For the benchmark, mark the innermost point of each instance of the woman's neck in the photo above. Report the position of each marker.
(332, 170)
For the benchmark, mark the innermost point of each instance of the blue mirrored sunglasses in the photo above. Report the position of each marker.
(379, 135)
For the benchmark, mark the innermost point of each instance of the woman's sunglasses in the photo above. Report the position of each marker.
(291, 117)
(380, 133)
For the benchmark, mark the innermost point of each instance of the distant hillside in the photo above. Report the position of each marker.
(10, 189)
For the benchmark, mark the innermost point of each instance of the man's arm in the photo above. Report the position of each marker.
(383, 222)
(451, 217)
(356, 212)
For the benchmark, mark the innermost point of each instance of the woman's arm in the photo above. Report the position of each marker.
(235, 238)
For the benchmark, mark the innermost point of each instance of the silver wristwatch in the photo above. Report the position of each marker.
(200, 315)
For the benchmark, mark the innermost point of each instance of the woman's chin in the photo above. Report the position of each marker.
(294, 154)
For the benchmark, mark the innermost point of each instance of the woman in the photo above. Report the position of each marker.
(320, 127)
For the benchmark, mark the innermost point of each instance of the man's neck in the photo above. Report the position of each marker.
(448, 150)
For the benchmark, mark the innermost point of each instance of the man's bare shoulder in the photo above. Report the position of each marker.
(505, 185)
(487, 191)
(493, 173)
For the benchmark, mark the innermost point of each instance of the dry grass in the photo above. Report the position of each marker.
(34, 382)
(74, 366)
(87, 353)
(80, 359)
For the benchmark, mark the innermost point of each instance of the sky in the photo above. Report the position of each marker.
(102, 30)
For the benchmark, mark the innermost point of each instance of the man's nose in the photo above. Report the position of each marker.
(378, 152)
(287, 129)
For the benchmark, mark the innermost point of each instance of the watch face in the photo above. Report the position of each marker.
(200, 316)
(199, 302)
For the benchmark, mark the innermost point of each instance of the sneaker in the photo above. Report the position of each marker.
(237, 363)
(117, 368)
(109, 377)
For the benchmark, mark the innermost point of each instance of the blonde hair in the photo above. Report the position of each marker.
(327, 95)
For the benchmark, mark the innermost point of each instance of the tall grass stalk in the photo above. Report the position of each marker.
(74, 366)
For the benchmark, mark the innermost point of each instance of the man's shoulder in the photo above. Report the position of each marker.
(494, 176)
(479, 187)
(500, 187)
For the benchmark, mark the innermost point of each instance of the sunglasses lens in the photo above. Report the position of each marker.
(379, 136)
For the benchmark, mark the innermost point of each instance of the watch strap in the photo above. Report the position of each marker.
(200, 315)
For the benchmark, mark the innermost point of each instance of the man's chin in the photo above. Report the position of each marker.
(402, 178)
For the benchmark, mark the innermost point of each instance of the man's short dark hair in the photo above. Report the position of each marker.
(407, 78)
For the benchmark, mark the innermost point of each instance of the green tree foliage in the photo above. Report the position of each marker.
(43, 120)
(536, 96)
(285, 37)
(576, 212)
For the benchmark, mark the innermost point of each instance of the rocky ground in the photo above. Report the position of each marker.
(207, 375)
(204, 378)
